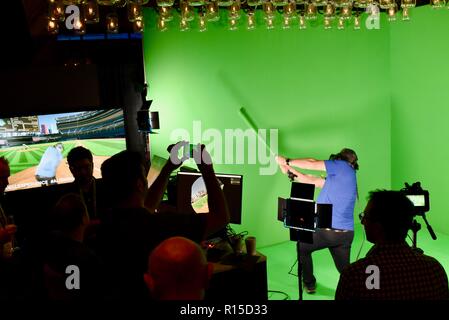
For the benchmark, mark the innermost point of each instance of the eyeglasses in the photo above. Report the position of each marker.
(362, 216)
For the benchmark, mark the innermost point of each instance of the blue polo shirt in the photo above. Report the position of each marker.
(340, 190)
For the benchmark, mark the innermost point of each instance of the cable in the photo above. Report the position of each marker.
(232, 234)
(290, 272)
(286, 296)
(361, 246)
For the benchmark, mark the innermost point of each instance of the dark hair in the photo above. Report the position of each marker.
(121, 172)
(348, 155)
(78, 153)
(4, 161)
(68, 213)
(393, 210)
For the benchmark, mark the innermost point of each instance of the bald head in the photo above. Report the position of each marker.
(178, 269)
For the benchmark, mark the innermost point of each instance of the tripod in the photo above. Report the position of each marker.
(416, 227)
(300, 288)
(306, 237)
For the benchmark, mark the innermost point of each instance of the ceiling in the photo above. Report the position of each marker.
(35, 12)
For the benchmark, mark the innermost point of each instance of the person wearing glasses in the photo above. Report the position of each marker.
(339, 188)
(391, 270)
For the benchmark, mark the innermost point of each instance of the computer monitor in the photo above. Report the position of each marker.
(192, 194)
(37, 145)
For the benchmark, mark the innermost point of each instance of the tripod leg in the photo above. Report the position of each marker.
(300, 288)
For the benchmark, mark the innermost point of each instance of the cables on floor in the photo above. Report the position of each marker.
(286, 296)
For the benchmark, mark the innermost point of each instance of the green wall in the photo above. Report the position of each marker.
(420, 107)
(323, 90)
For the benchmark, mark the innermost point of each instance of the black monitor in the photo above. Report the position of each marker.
(192, 194)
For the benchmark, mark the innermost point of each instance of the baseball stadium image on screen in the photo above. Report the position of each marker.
(36, 146)
(192, 193)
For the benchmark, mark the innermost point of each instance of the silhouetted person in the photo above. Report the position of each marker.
(339, 188)
(7, 229)
(65, 248)
(178, 270)
(132, 229)
(391, 270)
(81, 166)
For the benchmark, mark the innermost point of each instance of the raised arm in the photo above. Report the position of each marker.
(303, 163)
(218, 216)
(156, 191)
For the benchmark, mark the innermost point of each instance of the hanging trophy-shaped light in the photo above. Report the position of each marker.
(56, 11)
(112, 23)
(91, 13)
(134, 12)
(138, 26)
(52, 27)
(212, 11)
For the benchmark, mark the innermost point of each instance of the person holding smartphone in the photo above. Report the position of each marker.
(339, 188)
(134, 226)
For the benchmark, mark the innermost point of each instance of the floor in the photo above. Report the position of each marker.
(281, 258)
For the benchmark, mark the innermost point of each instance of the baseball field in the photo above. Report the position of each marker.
(24, 159)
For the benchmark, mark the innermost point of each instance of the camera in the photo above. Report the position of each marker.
(418, 196)
(301, 214)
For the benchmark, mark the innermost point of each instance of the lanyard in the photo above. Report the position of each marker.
(94, 200)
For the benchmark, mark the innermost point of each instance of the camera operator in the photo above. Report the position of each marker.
(339, 188)
(402, 272)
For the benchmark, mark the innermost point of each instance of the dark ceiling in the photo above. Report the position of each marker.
(28, 41)
(35, 12)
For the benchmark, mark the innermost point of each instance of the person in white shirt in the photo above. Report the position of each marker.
(46, 170)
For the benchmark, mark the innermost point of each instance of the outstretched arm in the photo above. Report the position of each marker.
(303, 163)
(305, 178)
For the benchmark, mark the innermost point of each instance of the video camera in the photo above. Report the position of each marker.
(418, 196)
(301, 214)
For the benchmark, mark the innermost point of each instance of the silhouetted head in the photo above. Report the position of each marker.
(81, 164)
(178, 270)
(4, 174)
(388, 216)
(124, 176)
(348, 155)
(69, 213)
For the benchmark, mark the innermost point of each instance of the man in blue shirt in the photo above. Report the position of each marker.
(339, 188)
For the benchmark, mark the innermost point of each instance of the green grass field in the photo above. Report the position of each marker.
(21, 158)
(201, 202)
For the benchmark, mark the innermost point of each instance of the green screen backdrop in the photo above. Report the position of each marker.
(420, 108)
(322, 89)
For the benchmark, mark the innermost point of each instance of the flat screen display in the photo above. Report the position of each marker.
(36, 146)
(192, 193)
(418, 200)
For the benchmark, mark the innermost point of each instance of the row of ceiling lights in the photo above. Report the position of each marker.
(209, 11)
